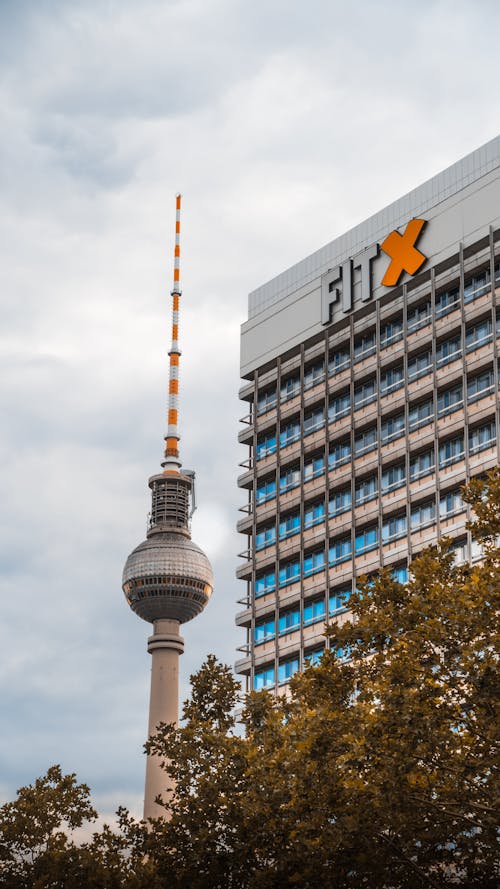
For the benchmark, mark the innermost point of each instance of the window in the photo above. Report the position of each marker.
(266, 491)
(420, 414)
(289, 526)
(340, 550)
(449, 400)
(366, 540)
(393, 528)
(393, 477)
(340, 452)
(290, 387)
(266, 445)
(479, 386)
(393, 427)
(339, 502)
(312, 658)
(263, 679)
(314, 374)
(478, 334)
(266, 400)
(400, 574)
(364, 345)
(290, 433)
(423, 514)
(289, 573)
(287, 668)
(450, 504)
(476, 285)
(366, 440)
(289, 479)
(338, 360)
(265, 583)
(419, 315)
(447, 301)
(448, 350)
(313, 468)
(482, 437)
(391, 379)
(314, 610)
(391, 331)
(451, 450)
(340, 406)
(338, 601)
(314, 420)
(419, 365)
(265, 537)
(421, 464)
(314, 514)
(264, 631)
(314, 562)
(289, 621)
(364, 394)
(366, 490)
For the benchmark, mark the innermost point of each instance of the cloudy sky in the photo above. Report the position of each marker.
(283, 124)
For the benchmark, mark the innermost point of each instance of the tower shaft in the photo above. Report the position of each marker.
(165, 646)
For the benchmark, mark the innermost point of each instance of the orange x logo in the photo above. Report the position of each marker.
(404, 255)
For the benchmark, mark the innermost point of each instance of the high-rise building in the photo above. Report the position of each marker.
(167, 579)
(371, 389)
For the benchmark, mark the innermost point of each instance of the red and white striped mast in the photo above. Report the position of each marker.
(172, 462)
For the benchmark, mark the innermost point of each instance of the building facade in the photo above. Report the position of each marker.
(371, 381)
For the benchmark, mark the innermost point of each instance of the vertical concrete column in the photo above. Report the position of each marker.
(164, 646)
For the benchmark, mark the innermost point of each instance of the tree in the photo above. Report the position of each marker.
(38, 849)
(379, 769)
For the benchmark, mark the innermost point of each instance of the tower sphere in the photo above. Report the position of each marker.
(167, 577)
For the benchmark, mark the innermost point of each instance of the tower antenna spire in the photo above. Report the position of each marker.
(171, 462)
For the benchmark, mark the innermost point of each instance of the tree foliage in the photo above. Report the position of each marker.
(378, 769)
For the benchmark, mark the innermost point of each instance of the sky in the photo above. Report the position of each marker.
(283, 124)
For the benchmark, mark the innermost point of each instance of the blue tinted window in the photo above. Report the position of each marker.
(482, 437)
(289, 573)
(339, 502)
(393, 427)
(264, 630)
(367, 539)
(400, 574)
(314, 514)
(393, 477)
(449, 399)
(364, 393)
(289, 621)
(339, 453)
(366, 440)
(421, 464)
(451, 450)
(480, 385)
(391, 379)
(340, 550)
(289, 526)
(290, 433)
(265, 491)
(290, 478)
(422, 514)
(265, 537)
(338, 601)
(419, 414)
(314, 562)
(287, 668)
(263, 679)
(314, 610)
(366, 489)
(339, 406)
(265, 446)
(393, 528)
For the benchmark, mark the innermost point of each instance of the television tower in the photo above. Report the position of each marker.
(167, 579)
